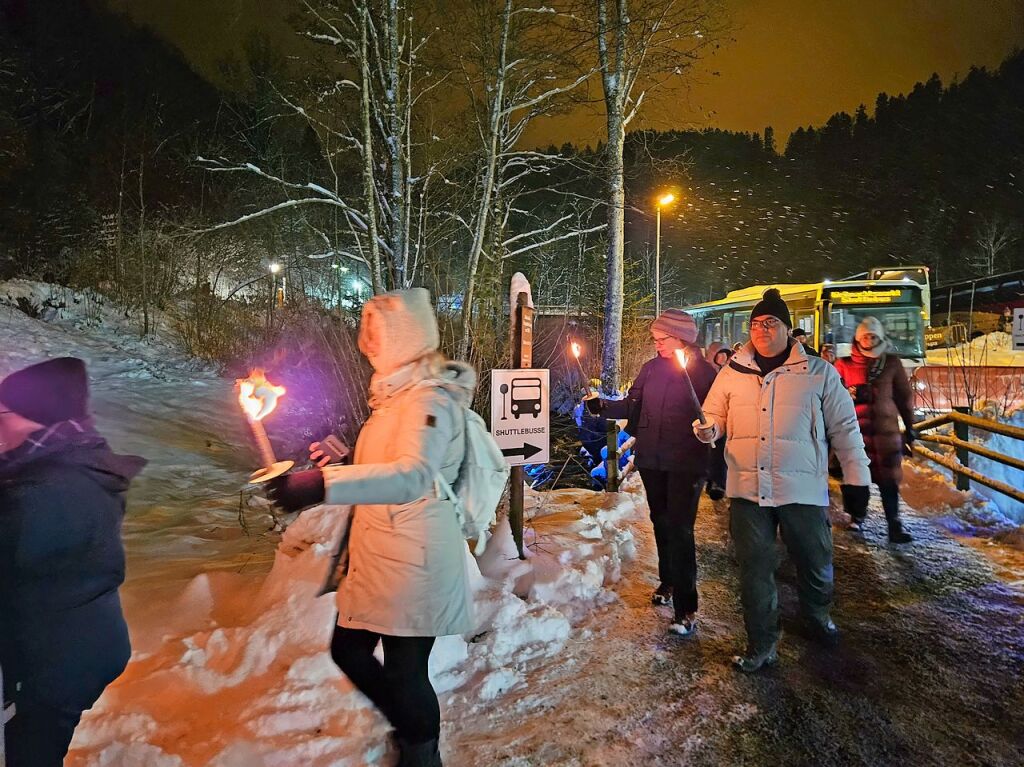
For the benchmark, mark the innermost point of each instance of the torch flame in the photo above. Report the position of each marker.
(257, 396)
(576, 350)
(681, 357)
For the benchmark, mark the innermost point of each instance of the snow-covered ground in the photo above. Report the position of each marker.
(991, 349)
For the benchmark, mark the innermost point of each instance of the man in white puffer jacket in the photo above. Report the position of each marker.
(781, 410)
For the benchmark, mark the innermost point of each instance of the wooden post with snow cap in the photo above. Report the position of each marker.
(522, 357)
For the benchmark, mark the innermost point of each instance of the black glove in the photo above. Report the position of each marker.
(593, 405)
(855, 500)
(297, 490)
(861, 394)
(908, 440)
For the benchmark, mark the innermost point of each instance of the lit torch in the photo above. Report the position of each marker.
(681, 359)
(577, 350)
(258, 398)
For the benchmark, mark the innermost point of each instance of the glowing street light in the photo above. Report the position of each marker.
(665, 199)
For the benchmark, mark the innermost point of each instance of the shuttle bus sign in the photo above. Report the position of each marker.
(520, 421)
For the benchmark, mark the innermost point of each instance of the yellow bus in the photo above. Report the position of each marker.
(829, 311)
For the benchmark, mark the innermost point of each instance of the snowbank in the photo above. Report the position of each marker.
(991, 349)
(257, 687)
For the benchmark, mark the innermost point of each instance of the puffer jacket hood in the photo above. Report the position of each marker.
(398, 328)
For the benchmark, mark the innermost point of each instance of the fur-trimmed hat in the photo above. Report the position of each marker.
(771, 303)
(48, 392)
(676, 323)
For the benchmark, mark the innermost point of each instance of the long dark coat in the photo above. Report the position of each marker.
(889, 397)
(661, 410)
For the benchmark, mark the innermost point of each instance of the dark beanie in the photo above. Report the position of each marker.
(771, 303)
(48, 393)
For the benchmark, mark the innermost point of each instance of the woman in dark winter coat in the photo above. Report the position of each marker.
(62, 498)
(673, 464)
(881, 393)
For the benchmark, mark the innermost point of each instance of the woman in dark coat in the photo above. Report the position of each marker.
(881, 393)
(63, 636)
(673, 464)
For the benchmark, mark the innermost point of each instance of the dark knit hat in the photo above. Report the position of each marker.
(771, 303)
(676, 323)
(48, 393)
(798, 332)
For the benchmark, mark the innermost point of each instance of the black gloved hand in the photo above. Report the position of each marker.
(855, 500)
(909, 435)
(593, 404)
(297, 490)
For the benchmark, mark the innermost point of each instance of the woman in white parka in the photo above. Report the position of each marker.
(407, 581)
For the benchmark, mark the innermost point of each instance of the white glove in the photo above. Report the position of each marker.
(705, 432)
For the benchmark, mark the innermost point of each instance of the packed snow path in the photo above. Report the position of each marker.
(930, 670)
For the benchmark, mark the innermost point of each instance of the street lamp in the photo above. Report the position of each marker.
(665, 199)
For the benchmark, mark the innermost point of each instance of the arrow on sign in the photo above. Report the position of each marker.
(526, 451)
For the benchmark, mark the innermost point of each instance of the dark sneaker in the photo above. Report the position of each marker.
(662, 595)
(856, 526)
(684, 627)
(898, 535)
(715, 491)
(826, 633)
(755, 661)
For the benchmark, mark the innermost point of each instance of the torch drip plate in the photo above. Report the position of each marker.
(266, 474)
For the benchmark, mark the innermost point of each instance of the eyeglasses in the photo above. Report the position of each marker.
(660, 339)
(769, 324)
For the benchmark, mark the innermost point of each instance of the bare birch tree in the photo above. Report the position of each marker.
(642, 46)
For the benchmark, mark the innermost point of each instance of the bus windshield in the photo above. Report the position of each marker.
(903, 327)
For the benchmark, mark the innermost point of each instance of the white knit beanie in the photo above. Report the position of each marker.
(398, 328)
(871, 325)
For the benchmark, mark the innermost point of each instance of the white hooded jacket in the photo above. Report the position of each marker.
(779, 428)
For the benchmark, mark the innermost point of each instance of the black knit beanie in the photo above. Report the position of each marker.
(771, 303)
(48, 393)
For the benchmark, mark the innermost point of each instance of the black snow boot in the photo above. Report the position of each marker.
(897, 534)
(423, 754)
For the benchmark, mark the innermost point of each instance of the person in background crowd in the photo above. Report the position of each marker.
(781, 407)
(673, 464)
(719, 356)
(828, 353)
(63, 637)
(407, 581)
(801, 335)
(882, 395)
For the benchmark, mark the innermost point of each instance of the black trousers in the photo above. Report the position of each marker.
(673, 498)
(39, 735)
(400, 688)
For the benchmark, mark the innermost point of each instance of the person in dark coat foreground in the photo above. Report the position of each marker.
(881, 393)
(673, 463)
(62, 498)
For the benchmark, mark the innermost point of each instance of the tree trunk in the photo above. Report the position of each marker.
(486, 185)
(611, 347)
(395, 121)
(369, 179)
